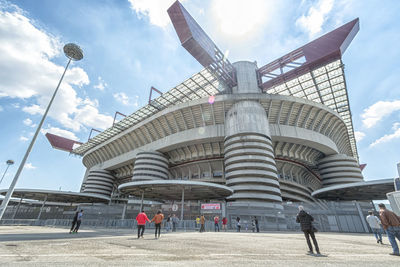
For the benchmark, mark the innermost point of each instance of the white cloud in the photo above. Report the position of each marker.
(29, 166)
(28, 73)
(359, 135)
(23, 138)
(238, 18)
(388, 137)
(373, 114)
(60, 132)
(27, 122)
(101, 84)
(126, 100)
(155, 10)
(314, 20)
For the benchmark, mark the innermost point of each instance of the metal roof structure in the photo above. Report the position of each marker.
(172, 190)
(315, 72)
(202, 84)
(199, 44)
(57, 196)
(366, 190)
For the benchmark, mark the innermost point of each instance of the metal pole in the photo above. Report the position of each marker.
(28, 151)
(41, 208)
(4, 173)
(183, 201)
(19, 203)
(141, 203)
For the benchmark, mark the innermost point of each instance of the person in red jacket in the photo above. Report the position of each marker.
(141, 223)
(224, 222)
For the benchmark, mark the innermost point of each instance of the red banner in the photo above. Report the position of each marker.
(211, 206)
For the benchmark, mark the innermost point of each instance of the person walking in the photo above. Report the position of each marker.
(238, 226)
(175, 221)
(305, 221)
(256, 222)
(168, 223)
(197, 223)
(74, 222)
(253, 225)
(202, 222)
(216, 223)
(141, 219)
(391, 223)
(157, 219)
(224, 222)
(78, 221)
(375, 225)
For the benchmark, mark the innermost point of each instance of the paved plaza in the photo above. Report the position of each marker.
(45, 246)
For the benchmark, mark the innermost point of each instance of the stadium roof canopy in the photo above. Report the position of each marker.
(57, 196)
(366, 190)
(316, 72)
(200, 85)
(172, 190)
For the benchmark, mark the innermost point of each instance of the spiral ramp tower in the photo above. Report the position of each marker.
(99, 181)
(150, 165)
(250, 167)
(339, 169)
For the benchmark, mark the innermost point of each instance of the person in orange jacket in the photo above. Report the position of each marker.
(141, 219)
(157, 219)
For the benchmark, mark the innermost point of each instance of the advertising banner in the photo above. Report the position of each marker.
(211, 206)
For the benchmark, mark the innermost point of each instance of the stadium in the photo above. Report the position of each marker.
(238, 139)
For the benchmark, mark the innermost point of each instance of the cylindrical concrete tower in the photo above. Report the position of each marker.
(99, 181)
(250, 167)
(339, 169)
(150, 165)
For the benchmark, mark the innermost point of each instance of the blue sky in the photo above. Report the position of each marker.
(130, 46)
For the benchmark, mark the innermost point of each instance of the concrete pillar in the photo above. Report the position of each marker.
(183, 202)
(141, 202)
(124, 211)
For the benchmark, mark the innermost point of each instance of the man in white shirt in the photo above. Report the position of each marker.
(375, 225)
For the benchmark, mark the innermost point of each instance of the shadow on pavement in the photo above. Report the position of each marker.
(54, 236)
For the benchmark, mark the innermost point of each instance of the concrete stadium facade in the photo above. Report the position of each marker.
(268, 148)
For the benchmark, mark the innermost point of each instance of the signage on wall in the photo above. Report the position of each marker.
(174, 207)
(211, 206)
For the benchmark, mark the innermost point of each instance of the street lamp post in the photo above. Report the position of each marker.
(73, 52)
(9, 162)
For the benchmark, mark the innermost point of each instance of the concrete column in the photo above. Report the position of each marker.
(124, 211)
(141, 202)
(183, 202)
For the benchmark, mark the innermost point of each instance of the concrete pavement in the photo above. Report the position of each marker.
(45, 246)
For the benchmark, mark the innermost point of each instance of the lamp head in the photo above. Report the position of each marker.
(73, 51)
(10, 162)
